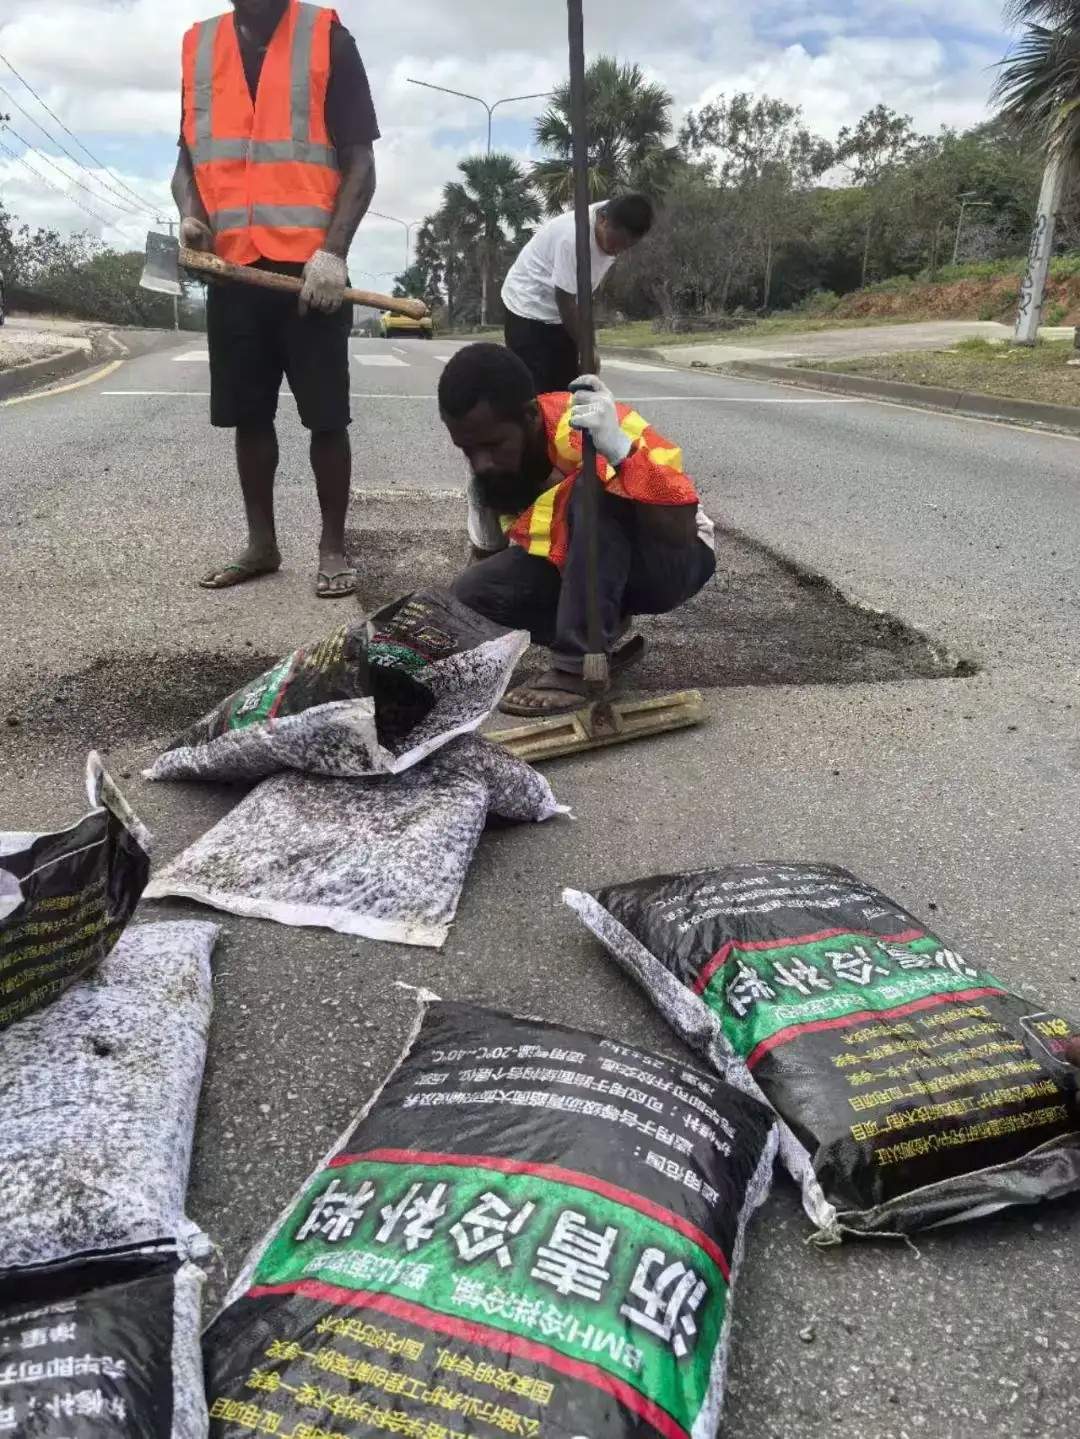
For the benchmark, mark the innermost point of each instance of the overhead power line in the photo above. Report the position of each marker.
(70, 178)
(20, 160)
(142, 201)
(122, 203)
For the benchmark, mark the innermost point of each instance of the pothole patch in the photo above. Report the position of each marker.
(761, 621)
(132, 697)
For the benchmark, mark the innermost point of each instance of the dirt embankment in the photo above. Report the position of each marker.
(973, 299)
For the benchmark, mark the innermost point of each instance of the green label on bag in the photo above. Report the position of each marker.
(638, 1295)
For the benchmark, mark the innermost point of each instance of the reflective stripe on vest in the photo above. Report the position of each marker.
(271, 217)
(276, 227)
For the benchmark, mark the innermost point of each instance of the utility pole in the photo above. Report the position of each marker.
(967, 201)
(1033, 290)
(172, 224)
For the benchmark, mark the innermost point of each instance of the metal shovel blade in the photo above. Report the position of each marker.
(161, 271)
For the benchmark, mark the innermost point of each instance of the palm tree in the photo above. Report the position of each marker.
(1038, 91)
(495, 202)
(629, 127)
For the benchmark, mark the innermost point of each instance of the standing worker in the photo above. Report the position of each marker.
(276, 170)
(540, 293)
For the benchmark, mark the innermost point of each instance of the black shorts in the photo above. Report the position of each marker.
(257, 338)
(549, 351)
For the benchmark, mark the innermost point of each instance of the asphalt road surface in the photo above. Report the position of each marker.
(836, 734)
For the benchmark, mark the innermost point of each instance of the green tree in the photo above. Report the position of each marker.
(412, 284)
(873, 151)
(629, 132)
(767, 161)
(494, 202)
(1038, 89)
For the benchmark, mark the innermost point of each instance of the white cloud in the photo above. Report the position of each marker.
(111, 69)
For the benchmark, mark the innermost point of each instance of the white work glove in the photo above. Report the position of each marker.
(593, 409)
(325, 278)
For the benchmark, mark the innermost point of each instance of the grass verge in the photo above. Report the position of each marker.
(1037, 373)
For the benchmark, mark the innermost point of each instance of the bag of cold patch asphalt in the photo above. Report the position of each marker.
(383, 858)
(373, 698)
(99, 1098)
(916, 1089)
(104, 1347)
(66, 897)
(530, 1230)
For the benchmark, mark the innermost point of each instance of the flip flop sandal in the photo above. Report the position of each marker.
(327, 587)
(517, 705)
(229, 576)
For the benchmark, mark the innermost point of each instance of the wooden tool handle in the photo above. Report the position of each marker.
(205, 264)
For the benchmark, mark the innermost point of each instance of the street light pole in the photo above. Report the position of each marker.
(407, 225)
(490, 108)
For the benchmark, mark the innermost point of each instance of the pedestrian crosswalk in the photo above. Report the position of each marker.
(380, 360)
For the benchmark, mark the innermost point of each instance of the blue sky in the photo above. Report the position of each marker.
(109, 69)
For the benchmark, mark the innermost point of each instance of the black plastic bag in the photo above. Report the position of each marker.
(916, 1089)
(530, 1229)
(106, 1345)
(65, 898)
(374, 698)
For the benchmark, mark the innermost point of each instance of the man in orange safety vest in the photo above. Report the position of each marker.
(276, 170)
(530, 565)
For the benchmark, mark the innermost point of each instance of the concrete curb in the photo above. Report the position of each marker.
(39, 373)
(1065, 418)
(641, 353)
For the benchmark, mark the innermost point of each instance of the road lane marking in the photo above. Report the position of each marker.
(197, 356)
(627, 400)
(285, 395)
(93, 379)
(636, 365)
(384, 362)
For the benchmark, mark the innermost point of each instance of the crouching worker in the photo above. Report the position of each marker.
(529, 565)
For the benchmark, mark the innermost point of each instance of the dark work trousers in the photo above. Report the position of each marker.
(548, 351)
(637, 577)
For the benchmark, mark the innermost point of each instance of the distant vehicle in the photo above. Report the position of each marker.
(400, 326)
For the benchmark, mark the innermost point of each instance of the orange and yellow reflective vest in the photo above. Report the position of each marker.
(267, 172)
(652, 475)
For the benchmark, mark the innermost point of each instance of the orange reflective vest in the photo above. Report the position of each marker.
(652, 475)
(267, 172)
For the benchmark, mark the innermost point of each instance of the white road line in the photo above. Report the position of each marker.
(200, 356)
(396, 350)
(635, 365)
(626, 400)
(384, 362)
(285, 395)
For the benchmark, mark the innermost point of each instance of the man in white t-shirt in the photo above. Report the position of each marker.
(540, 293)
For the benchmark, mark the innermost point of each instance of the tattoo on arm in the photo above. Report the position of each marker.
(357, 191)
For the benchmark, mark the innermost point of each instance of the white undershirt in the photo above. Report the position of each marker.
(549, 263)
